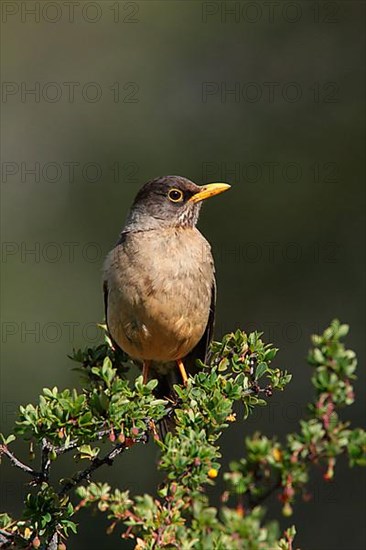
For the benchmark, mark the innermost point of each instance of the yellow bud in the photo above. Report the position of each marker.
(212, 473)
(277, 454)
(287, 510)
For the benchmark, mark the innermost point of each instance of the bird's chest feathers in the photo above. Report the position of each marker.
(160, 292)
(170, 266)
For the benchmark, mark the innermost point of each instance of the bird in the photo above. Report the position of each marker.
(159, 281)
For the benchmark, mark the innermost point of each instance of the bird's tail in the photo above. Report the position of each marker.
(168, 376)
(165, 390)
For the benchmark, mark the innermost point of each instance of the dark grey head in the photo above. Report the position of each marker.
(169, 201)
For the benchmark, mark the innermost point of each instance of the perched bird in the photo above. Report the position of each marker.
(159, 282)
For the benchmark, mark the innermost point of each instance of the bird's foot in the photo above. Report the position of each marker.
(145, 371)
(182, 371)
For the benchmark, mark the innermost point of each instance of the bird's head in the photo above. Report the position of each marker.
(169, 201)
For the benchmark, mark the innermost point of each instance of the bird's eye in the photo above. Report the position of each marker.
(175, 195)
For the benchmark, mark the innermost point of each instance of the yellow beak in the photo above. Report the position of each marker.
(208, 191)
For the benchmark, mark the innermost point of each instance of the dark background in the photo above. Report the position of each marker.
(268, 97)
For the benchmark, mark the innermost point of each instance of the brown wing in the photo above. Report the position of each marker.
(117, 348)
(105, 295)
(200, 351)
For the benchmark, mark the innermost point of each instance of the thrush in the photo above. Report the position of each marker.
(159, 281)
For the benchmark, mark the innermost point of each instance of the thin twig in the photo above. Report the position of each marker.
(97, 463)
(61, 449)
(7, 540)
(45, 460)
(48, 448)
(53, 542)
(16, 462)
(254, 501)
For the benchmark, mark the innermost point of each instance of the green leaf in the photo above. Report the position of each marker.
(85, 419)
(260, 370)
(7, 440)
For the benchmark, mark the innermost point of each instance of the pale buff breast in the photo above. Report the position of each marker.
(159, 292)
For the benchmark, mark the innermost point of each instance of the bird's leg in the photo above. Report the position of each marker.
(145, 371)
(182, 371)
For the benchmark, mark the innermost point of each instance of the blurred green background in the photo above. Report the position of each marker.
(268, 96)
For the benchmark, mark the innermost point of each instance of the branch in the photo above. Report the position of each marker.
(255, 501)
(16, 462)
(98, 462)
(48, 448)
(53, 542)
(7, 540)
(61, 449)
